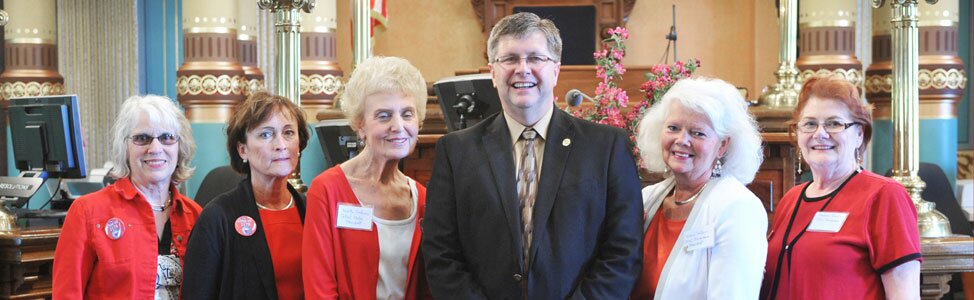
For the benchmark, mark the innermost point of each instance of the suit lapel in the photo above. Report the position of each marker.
(498, 145)
(556, 154)
(257, 243)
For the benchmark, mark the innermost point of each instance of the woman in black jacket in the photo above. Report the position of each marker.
(247, 242)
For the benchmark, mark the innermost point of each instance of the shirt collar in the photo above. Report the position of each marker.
(517, 128)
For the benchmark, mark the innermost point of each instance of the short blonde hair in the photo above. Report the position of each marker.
(382, 75)
(727, 112)
(162, 112)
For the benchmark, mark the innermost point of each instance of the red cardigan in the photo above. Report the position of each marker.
(88, 264)
(344, 263)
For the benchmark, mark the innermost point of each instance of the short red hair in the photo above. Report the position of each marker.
(841, 90)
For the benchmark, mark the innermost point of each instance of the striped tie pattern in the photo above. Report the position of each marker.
(527, 188)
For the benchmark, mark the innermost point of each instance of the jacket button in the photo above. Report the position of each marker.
(517, 277)
(179, 238)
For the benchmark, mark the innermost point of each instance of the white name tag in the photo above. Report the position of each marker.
(354, 217)
(699, 238)
(827, 221)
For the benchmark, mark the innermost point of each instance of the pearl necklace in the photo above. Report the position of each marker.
(289, 205)
(688, 200)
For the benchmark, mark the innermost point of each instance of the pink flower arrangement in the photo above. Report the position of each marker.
(612, 103)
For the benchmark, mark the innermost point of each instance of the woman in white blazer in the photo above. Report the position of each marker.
(704, 230)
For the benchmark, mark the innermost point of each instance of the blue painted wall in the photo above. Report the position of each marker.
(211, 152)
(938, 145)
(964, 51)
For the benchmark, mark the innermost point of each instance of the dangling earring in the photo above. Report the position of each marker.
(244, 160)
(798, 167)
(718, 168)
(858, 157)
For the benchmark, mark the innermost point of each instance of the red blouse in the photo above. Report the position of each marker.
(283, 230)
(660, 238)
(879, 233)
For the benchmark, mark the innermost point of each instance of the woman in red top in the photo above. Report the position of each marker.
(849, 233)
(247, 242)
(362, 239)
(126, 241)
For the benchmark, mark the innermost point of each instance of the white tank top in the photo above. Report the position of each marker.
(395, 241)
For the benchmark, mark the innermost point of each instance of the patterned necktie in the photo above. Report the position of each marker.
(527, 188)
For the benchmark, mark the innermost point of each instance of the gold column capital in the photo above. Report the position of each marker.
(276, 5)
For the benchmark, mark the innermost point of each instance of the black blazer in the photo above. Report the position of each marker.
(587, 240)
(222, 264)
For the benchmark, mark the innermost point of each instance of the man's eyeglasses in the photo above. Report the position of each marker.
(830, 126)
(533, 61)
(145, 139)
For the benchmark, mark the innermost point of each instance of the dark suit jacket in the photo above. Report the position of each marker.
(587, 240)
(222, 264)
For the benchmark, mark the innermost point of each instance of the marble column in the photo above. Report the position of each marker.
(321, 77)
(211, 80)
(827, 40)
(247, 37)
(30, 50)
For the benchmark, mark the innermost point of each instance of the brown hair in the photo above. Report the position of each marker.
(255, 110)
(841, 90)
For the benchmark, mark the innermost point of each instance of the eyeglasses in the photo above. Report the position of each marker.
(830, 126)
(145, 139)
(533, 61)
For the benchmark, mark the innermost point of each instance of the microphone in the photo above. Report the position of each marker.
(574, 97)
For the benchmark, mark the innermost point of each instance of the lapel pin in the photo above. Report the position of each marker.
(566, 142)
(114, 228)
(245, 225)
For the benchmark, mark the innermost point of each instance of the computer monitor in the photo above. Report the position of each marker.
(46, 135)
(338, 141)
(467, 99)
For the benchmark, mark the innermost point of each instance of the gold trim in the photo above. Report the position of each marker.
(965, 164)
(29, 89)
(320, 84)
(941, 79)
(852, 75)
(31, 41)
(210, 85)
(879, 84)
(254, 85)
(246, 37)
(828, 23)
(210, 30)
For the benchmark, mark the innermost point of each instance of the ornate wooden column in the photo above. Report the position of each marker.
(247, 37)
(827, 40)
(210, 83)
(321, 77)
(30, 49)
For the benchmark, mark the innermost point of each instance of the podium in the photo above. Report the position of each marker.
(26, 262)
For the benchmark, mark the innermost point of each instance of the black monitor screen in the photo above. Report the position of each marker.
(466, 99)
(338, 141)
(46, 135)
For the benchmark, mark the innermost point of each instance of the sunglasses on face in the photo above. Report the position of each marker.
(145, 139)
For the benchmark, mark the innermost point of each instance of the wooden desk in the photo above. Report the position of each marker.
(26, 263)
(941, 259)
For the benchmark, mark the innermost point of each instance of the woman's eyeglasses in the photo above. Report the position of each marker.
(830, 126)
(145, 139)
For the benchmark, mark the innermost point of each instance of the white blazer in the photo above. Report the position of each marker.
(733, 267)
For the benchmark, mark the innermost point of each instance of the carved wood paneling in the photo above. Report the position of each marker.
(609, 13)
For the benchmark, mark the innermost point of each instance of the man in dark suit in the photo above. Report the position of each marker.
(496, 227)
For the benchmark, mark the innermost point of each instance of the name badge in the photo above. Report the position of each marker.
(699, 238)
(827, 221)
(354, 217)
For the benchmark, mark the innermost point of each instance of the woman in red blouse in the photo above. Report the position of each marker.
(127, 240)
(849, 233)
(362, 239)
(246, 244)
